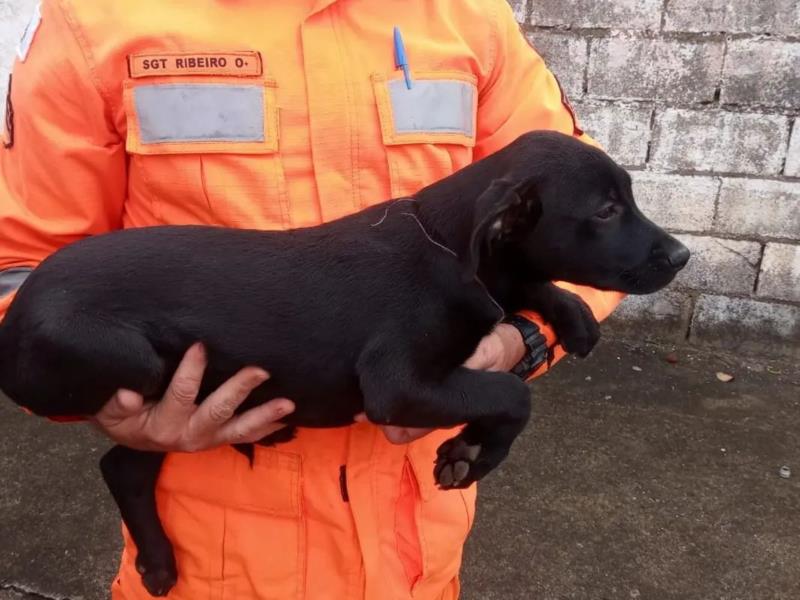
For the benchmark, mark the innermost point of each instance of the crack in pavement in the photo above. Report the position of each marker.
(29, 593)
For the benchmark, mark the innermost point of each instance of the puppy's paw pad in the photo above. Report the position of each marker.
(157, 580)
(454, 463)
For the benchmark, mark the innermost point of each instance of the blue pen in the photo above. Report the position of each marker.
(400, 60)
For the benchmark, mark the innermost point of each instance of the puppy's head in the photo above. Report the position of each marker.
(576, 220)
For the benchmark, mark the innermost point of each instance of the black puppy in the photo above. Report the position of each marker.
(376, 311)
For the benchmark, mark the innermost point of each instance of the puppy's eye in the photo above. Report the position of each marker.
(607, 212)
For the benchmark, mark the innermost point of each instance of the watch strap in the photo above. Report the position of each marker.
(536, 350)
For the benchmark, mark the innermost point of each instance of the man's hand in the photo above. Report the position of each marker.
(501, 350)
(177, 424)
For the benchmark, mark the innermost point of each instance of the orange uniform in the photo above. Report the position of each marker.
(271, 115)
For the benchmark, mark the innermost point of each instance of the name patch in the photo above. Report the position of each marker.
(237, 64)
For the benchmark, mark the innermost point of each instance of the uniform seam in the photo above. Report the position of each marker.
(86, 51)
(351, 116)
(494, 35)
(302, 531)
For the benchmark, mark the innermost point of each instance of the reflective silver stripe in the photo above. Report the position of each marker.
(11, 279)
(30, 32)
(199, 113)
(433, 106)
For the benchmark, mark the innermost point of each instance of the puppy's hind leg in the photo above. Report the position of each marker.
(131, 477)
(74, 366)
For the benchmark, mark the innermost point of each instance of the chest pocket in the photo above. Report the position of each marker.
(205, 150)
(428, 129)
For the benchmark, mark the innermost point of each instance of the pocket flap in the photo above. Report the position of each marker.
(201, 117)
(270, 486)
(440, 107)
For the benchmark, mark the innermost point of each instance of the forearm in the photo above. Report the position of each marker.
(601, 303)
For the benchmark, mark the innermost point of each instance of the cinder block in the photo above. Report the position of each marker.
(13, 18)
(779, 17)
(780, 272)
(639, 68)
(761, 208)
(565, 55)
(765, 72)
(746, 326)
(719, 141)
(520, 8)
(622, 129)
(793, 156)
(617, 14)
(683, 203)
(719, 265)
(661, 316)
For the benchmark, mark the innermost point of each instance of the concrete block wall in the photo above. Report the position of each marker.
(700, 100)
(14, 15)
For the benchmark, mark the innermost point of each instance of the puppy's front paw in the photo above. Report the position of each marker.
(575, 325)
(455, 464)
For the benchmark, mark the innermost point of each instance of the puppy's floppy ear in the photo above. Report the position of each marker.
(500, 212)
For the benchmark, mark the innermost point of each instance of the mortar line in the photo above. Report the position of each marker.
(721, 79)
(717, 198)
(758, 268)
(650, 136)
(792, 125)
(664, 6)
(688, 36)
(692, 306)
(720, 174)
(736, 296)
(703, 106)
(734, 237)
(585, 82)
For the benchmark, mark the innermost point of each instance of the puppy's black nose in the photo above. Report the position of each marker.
(671, 251)
(678, 256)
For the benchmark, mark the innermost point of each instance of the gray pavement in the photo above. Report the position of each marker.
(660, 482)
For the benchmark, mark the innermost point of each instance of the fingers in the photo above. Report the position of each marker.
(179, 400)
(255, 424)
(219, 408)
(178, 424)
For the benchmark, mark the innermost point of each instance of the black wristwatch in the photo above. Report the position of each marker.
(535, 343)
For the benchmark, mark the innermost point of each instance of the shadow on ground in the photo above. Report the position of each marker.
(656, 482)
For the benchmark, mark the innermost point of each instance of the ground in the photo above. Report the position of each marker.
(639, 477)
